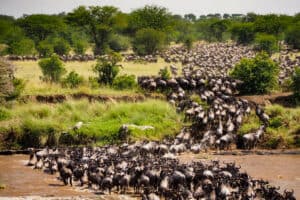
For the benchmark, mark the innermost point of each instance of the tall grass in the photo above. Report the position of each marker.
(32, 124)
(31, 73)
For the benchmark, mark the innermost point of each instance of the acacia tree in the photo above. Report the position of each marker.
(38, 27)
(97, 22)
(154, 17)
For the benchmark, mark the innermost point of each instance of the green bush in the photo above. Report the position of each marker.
(19, 85)
(124, 82)
(276, 122)
(267, 43)
(296, 83)
(107, 68)
(72, 80)
(119, 43)
(148, 41)
(4, 114)
(61, 46)
(165, 73)
(45, 49)
(80, 47)
(258, 75)
(22, 47)
(52, 68)
(292, 36)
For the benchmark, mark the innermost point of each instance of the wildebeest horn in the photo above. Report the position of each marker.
(278, 188)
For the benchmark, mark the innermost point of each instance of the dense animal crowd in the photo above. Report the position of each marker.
(216, 114)
(221, 57)
(151, 170)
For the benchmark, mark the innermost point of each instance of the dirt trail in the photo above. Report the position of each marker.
(279, 170)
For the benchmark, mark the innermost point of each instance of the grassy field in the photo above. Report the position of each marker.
(35, 122)
(284, 129)
(31, 73)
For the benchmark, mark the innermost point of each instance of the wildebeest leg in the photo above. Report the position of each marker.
(65, 181)
(71, 181)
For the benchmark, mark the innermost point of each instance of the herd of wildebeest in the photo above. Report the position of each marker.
(151, 168)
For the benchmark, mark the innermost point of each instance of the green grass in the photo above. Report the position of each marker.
(284, 129)
(31, 73)
(101, 120)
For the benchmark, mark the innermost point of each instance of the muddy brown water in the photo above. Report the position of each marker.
(23, 181)
(279, 170)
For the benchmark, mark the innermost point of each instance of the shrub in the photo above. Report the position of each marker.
(72, 80)
(4, 114)
(61, 46)
(292, 36)
(52, 68)
(93, 82)
(107, 68)
(45, 49)
(258, 75)
(80, 47)
(119, 43)
(124, 82)
(267, 43)
(165, 73)
(148, 41)
(296, 83)
(22, 47)
(19, 85)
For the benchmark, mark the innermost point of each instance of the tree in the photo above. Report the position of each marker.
(269, 24)
(153, 17)
(39, 27)
(267, 43)
(97, 22)
(243, 33)
(23, 47)
(296, 83)
(190, 17)
(292, 36)
(52, 68)
(148, 41)
(107, 68)
(218, 28)
(259, 75)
